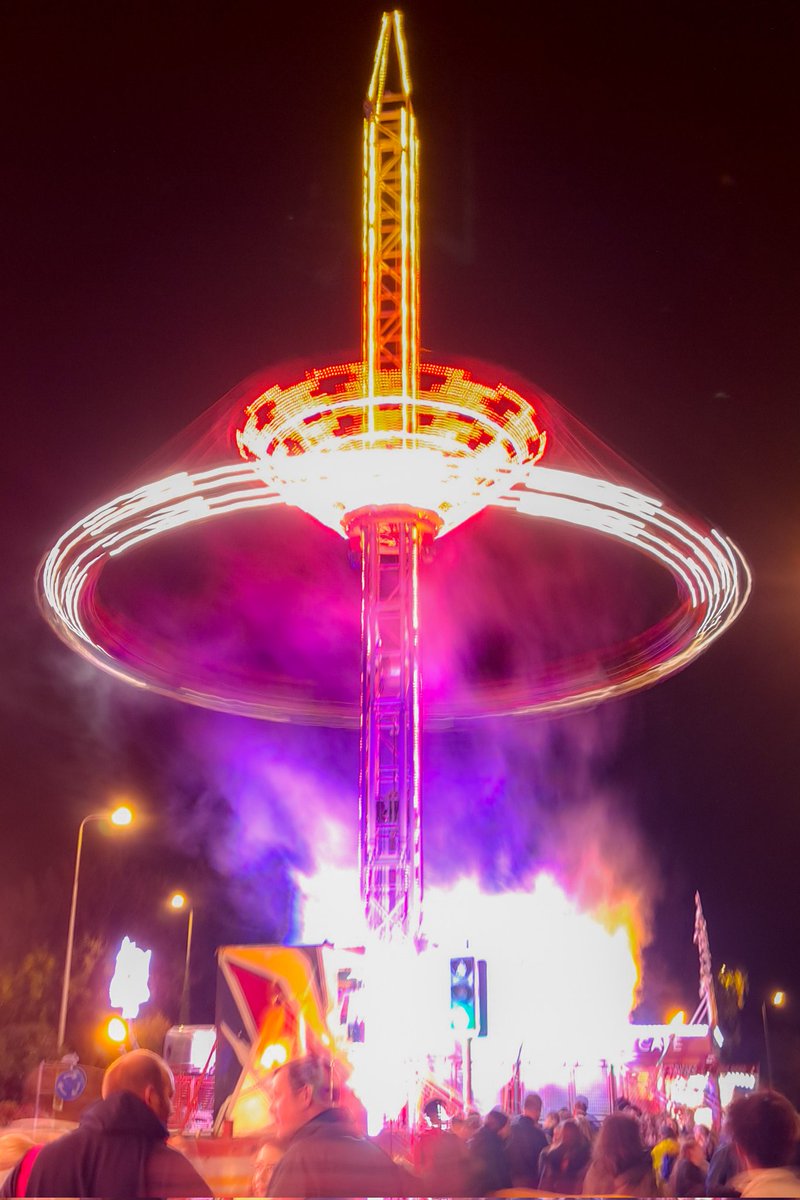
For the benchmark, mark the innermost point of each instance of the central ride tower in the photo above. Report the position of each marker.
(391, 454)
(390, 537)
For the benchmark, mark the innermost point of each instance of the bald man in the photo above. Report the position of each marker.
(324, 1155)
(120, 1147)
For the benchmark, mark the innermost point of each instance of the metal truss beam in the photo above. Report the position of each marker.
(390, 841)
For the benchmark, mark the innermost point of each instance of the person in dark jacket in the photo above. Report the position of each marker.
(324, 1154)
(525, 1144)
(490, 1165)
(726, 1163)
(120, 1146)
(442, 1159)
(587, 1124)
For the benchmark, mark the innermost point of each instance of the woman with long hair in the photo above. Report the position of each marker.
(564, 1165)
(620, 1164)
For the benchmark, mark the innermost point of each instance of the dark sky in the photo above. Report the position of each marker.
(610, 208)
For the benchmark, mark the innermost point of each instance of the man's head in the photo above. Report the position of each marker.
(702, 1135)
(301, 1090)
(581, 1106)
(147, 1076)
(693, 1151)
(497, 1121)
(472, 1121)
(764, 1127)
(533, 1106)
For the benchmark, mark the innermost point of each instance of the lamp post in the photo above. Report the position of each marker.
(121, 816)
(776, 1000)
(179, 901)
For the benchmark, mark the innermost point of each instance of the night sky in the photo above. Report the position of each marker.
(610, 199)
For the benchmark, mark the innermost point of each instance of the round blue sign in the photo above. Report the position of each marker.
(70, 1084)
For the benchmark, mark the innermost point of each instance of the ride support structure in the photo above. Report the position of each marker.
(391, 545)
(390, 538)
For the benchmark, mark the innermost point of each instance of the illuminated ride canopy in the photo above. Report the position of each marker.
(429, 445)
(710, 579)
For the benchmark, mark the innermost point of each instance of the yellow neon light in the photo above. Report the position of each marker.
(413, 250)
(402, 53)
(379, 65)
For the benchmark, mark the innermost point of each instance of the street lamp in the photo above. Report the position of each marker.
(120, 816)
(179, 901)
(776, 1000)
(117, 1030)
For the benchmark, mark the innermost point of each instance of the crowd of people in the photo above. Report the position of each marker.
(628, 1153)
(120, 1148)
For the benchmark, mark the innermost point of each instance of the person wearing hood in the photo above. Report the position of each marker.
(120, 1146)
(491, 1170)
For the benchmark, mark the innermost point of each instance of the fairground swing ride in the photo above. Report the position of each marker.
(393, 454)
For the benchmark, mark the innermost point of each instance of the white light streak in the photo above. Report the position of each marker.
(711, 576)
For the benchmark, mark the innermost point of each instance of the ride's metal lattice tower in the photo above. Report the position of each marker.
(390, 539)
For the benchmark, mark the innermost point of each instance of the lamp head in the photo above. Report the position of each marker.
(117, 1030)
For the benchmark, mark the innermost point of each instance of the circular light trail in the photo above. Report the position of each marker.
(711, 577)
(391, 437)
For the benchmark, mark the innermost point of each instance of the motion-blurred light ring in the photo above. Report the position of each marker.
(711, 577)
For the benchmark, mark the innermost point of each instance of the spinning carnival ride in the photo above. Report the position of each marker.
(393, 454)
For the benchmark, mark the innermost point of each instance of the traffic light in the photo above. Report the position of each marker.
(463, 995)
